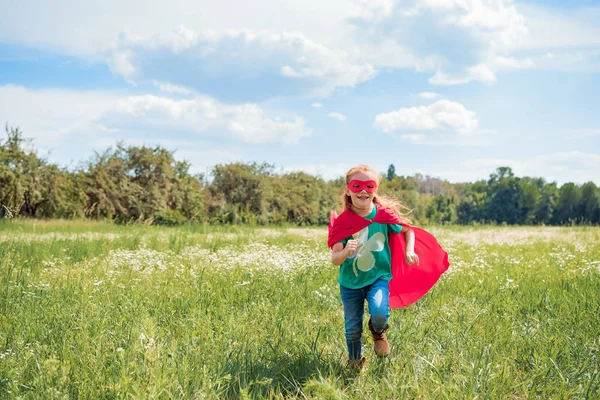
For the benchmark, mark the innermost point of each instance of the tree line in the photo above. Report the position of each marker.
(146, 184)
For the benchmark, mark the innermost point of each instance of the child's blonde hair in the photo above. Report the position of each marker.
(382, 200)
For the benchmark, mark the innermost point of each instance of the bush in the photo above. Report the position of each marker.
(169, 218)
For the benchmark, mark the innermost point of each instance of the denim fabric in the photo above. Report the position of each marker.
(377, 296)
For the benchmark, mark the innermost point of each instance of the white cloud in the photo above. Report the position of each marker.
(501, 62)
(559, 38)
(441, 116)
(337, 115)
(429, 95)
(497, 21)
(47, 116)
(249, 123)
(183, 54)
(201, 114)
(484, 72)
(386, 52)
(462, 40)
(120, 64)
(559, 28)
(52, 116)
(72, 29)
(304, 40)
(481, 73)
(316, 105)
(468, 41)
(372, 10)
(170, 88)
(449, 36)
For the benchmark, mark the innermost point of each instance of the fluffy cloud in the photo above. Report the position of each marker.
(204, 115)
(461, 40)
(76, 30)
(50, 116)
(337, 115)
(497, 21)
(559, 28)
(457, 40)
(472, 40)
(479, 72)
(182, 55)
(170, 88)
(443, 116)
(372, 10)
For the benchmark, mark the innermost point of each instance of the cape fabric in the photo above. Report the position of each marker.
(409, 282)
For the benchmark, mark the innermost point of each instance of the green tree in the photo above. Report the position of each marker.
(504, 194)
(110, 192)
(545, 208)
(297, 198)
(132, 183)
(529, 198)
(31, 187)
(472, 205)
(441, 210)
(188, 192)
(391, 172)
(589, 206)
(569, 197)
(239, 191)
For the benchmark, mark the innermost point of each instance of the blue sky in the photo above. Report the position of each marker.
(448, 88)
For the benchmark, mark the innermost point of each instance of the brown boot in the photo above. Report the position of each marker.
(357, 365)
(381, 345)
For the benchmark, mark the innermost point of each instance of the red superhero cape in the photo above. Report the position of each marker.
(409, 282)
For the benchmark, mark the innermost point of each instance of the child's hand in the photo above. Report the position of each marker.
(351, 247)
(412, 258)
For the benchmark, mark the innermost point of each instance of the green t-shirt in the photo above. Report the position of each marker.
(372, 259)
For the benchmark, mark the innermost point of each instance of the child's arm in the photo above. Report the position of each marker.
(339, 253)
(411, 256)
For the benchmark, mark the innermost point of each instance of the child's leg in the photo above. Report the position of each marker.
(378, 300)
(354, 309)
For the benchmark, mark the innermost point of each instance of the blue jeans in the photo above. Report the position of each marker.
(377, 296)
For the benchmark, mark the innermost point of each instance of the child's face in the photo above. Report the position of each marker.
(362, 199)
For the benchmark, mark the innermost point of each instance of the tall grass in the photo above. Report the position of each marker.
(90, 310)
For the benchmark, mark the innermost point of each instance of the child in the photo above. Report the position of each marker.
(374, 260)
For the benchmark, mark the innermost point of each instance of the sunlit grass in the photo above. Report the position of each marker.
(93, 310)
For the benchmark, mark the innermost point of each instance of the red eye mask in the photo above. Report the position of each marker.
(357, 186)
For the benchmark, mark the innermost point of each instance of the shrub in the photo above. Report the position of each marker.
(169, 218)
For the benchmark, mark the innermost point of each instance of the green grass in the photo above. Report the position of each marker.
(93, 310)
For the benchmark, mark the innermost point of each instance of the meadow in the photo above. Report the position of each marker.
(95, 310)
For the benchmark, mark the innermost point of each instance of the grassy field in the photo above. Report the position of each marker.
(93, 310)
